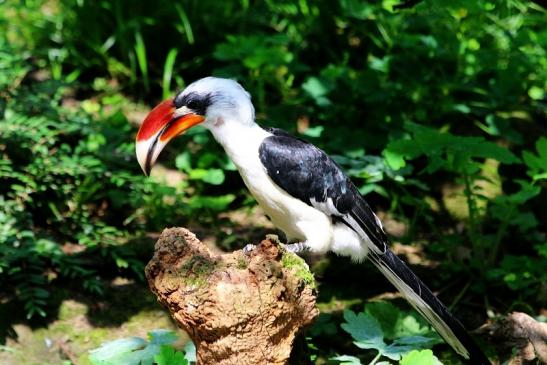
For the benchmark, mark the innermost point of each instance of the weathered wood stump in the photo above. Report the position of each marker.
(238, 308)
(518, 331)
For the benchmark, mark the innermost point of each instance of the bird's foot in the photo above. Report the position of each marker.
(248, 248)
(297, 247)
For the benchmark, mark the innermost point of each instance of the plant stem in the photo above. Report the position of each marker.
(459, 296)
(375, 359)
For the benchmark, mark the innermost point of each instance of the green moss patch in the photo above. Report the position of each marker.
(293, 262)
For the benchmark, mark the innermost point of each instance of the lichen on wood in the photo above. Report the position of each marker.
(238, 308)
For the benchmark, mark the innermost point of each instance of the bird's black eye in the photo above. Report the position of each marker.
(193, 104)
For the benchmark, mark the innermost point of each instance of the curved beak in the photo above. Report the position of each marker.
(161, 125)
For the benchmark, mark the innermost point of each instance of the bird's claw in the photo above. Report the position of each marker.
(296, 247)
(248, 248)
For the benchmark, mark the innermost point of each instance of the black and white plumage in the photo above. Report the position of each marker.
(307, 173)
(304, 192)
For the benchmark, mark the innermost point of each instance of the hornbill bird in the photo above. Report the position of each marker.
(303, 191)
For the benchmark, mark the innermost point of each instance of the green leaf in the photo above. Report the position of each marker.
(314, 132)
(132, 350)
(169, 356)
(183, 162)
(394, 159)
(162, 337)
(318, 90)
(216, 203)
(403, 345)
(423, 357)
(142, 60)
(527, 191)
(444, 150)
(368, 334)
(168, 72)
(347, 360)
(537, 164)
(364, 329)
(114, 352)
(387, 315)
(396, 323)
(211, 176)
(536, 93)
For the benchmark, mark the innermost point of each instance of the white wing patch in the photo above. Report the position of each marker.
(326, 207)
(357, 228)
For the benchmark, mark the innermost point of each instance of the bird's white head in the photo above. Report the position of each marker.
(212, 102)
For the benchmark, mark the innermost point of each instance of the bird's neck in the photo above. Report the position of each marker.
(241, 141)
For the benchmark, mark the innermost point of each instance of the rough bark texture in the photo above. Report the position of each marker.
(238, 308)
(519, 330)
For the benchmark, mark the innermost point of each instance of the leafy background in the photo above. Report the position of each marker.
(437, 110)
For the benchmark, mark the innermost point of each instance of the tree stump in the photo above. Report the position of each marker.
(518, 331)
(239, 308)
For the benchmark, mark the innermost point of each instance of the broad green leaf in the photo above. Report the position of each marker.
(364, 329)
(396, 323)
(408, 325)
(394, 159)
(114, 352)
(423, 357)
(403, 345)
(162, 337)
(386, 314)
(132, 350)
(169, 356)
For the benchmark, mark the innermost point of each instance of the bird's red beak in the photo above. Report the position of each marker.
(161, 125)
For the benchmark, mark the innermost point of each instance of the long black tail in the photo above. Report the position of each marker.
(425, 302)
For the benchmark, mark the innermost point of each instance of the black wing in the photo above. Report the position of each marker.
(307, 173)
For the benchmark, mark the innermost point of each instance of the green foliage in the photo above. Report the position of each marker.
(369, 333)
(444, 151)
(72, 194)
(423, 357)
(414, 357)
(537, 165)
(170, 356)
(54, 181)
(429, 107)
(137, 351)
(466, 157)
